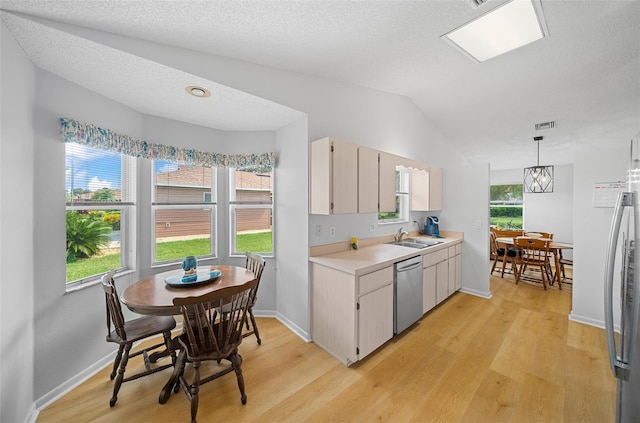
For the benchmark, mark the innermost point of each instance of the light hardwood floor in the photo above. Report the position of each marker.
(513, 358)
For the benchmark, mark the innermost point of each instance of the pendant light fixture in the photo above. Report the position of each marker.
(538, 178)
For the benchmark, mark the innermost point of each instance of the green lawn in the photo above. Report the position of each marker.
(507, 222)
(168, 251)
(174, 250)
(257, 243)
(92, 266)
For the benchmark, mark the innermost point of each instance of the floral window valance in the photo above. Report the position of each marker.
(92, 136)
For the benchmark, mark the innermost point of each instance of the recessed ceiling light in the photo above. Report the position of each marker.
(503, 29)
(198, 91)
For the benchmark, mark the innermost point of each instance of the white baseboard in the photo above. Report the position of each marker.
(485, 295)
(69, 385)
(590, 321)
(304, 335)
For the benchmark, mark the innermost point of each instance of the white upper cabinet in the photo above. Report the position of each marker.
(426, 189)
(367, 180)
(333, 177)
(345, 178)
(387, 188)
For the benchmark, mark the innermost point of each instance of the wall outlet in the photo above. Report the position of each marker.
(318, 230)
(372, 227)
(332, 231)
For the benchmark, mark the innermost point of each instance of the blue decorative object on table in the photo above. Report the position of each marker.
(190, 266)
(203, 275)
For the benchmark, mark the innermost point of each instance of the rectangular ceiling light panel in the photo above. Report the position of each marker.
(503, 29)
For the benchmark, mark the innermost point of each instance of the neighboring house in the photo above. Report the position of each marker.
(192, 184)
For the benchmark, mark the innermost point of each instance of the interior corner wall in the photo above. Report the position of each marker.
(291, 217)
(466, 199)
(553, 211)
(17, 228)
(66, 324)
(591, 229)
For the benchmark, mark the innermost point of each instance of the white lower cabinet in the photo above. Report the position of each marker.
(374, 325)
(351, 315)
(458, 266)
(442, 275)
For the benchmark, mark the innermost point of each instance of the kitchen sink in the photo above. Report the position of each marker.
(415, 243)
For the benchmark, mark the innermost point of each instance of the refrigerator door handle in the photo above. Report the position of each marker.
(618, 367)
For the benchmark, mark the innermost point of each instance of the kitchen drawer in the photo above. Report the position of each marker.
(452, 251)
(435, 257)
(375, 280)
(459, 248)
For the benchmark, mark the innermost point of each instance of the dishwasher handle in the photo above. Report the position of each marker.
(408, 267)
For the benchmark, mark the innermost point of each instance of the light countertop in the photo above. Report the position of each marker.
(378, 256)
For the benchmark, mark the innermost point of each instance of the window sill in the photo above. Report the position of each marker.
(74, 287)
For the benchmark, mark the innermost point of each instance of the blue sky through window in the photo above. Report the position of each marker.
(92, 168)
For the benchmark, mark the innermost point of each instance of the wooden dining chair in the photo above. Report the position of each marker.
(564, 263)
(125, 333)
(538, 234)
(498, 253)
(533, 252)
(209, 338)
(254, 263)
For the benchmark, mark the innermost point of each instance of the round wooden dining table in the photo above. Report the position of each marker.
(152, 295)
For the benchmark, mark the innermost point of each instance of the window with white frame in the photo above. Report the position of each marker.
(184, 211)
(100, 201)
(401, 214)
(251, 211)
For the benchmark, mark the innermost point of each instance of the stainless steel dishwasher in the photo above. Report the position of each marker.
(407, 293)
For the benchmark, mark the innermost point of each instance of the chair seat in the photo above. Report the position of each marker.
(143, 327)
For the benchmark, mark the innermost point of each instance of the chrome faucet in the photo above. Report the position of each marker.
(398, 236)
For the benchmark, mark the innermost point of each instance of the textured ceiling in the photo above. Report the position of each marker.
(585, 74)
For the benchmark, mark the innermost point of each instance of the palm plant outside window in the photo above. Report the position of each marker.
(100, 198)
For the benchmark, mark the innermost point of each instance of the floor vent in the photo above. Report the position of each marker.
(545, 125)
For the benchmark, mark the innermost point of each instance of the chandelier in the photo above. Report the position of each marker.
(538, 178)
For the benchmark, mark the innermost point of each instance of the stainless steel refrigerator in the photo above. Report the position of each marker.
(623, 255)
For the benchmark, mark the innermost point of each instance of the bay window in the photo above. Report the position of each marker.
(184, 211)
(251, 211)
(100, 201)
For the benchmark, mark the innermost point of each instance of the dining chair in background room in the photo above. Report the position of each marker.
(210, 338)
(533, 252)
(498, 253)
(125, 333)
(565, 262)
(538, 234)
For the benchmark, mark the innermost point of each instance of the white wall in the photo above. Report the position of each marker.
(591, 229)
(553, 211)
(466, 209)
(291, 220)
(17, 232)
(66, 325)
